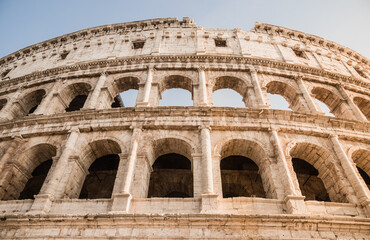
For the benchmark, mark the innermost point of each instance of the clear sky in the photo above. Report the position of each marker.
(26, 22)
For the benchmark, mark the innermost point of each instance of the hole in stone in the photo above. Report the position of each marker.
(220, 43)
(300, 53)
(64, 55)
(138, 44)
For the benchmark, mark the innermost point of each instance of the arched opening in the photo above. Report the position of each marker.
(245, 170)
(240, 178)
(310, 184)
(100, 180)
(227, 98)
(363, 105)
(101, 158)
(324, 108)
(171, 177)
(284, 97)
(362, 159)
(316, 174)
(176, 90)
(34, 184)
(176, 97)
(336, 105)
(237, 88)
(278, 102)
(126, 90)
(172, 172)
(77, 103)
(364, 176)
(2, 103)
(26, 175)
(73, 97)
(28, 103)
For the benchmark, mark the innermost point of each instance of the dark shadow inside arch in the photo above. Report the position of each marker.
(310, 184)
(77, 103)
(171, 177)
(364, 176)
(34, 184)
(363, 105)
(240, 178)
(2, 103)
(33, 100)
(100, 180)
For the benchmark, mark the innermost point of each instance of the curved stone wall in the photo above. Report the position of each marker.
(56, 104)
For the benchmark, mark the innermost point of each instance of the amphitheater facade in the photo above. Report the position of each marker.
(76, 164)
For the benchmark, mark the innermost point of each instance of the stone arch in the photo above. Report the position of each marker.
(363, 105)
(362, 159)
(234, 83)
(3, 102)
(254, 152)
(288, 92)
(327, 171)
(334, 102)
(95, 174)
(121, 85)
(27, 103)
(19, 173)
(172, 169)
(72, 97)
(175, 81)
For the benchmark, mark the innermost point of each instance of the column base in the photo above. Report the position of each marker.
(121, 203)
(366, 205)
(142, 104)
(41, 204)
(209, 203)
(295, 204)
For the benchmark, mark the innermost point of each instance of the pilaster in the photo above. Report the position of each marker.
(122, 199)
(257, 88)
(357, 183)
(92, 102)
(294, 201)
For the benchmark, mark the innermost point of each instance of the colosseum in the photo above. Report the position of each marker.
(75, 163)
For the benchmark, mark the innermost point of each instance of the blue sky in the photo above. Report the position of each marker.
(26, 22)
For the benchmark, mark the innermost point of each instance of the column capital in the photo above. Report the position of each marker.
(298, 76)
(201, 68)
(150, 67)
(18, 138)
(252, 69)
(104, 73)
(201, 127)
(74, 129)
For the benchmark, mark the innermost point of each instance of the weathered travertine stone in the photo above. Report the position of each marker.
(97, 170)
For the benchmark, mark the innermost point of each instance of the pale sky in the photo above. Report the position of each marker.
(26, 22)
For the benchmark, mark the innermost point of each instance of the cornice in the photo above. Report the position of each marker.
(277, 221)
(308, 39)
(232, 119)
(88, 33)
(211, 62)
(161, 23)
